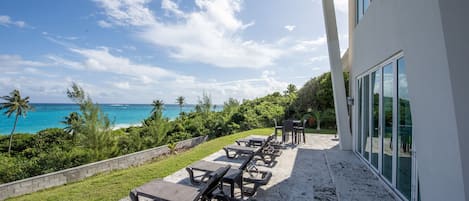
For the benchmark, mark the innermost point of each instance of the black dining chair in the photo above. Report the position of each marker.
(287, 129)
(277, 127)
(300, 129)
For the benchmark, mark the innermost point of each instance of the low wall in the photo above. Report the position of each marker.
(58, 178)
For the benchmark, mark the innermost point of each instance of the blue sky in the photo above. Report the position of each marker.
(135, 51)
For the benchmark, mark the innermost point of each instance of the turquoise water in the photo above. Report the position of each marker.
(50, 115)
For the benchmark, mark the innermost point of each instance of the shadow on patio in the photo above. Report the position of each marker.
(318, 170)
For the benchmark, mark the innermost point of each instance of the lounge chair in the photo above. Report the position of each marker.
(247, 172)
(232, 177)
(265, 150)
(162, 190)
(251, 141)
(232, 151)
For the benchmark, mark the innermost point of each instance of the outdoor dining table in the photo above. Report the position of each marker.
(290, 127)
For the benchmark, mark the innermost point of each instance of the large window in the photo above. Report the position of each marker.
(384, 124)
(365, 118)
(404, 133)
(376, 81)
(387, 121)
(362, 5)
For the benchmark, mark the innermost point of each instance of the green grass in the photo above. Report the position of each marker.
(322, 131)
(117, 184)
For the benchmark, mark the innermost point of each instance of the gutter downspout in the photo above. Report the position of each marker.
(338, 85)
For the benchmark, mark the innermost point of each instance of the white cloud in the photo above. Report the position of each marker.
(128, 12)
(172, 7)
(104, 24)
(7, 21)
(241, 89)
(122, 85)
(16, 61)
(290, 27)
(308, 45)
(318, 58)
(101, 60)
(211, 34)
(146, 82)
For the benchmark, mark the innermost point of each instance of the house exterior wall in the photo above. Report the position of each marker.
(432, 35)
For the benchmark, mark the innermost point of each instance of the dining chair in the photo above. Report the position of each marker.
(287, 129)
(277, 127)
(300, 130)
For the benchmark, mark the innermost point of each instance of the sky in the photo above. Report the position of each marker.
(136, 51)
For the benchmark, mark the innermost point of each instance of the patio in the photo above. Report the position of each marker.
(317, 170)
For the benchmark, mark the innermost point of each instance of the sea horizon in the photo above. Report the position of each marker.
(50, 115)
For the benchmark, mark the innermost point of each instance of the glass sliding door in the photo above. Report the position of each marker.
(384, 123)
(387, 121)
(366, 117)
(404, 133)
(375, 104)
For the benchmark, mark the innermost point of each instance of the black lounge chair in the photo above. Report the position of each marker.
(247, 172)
(265, 150)
(167, 191)
(232, 177)
(239, 150)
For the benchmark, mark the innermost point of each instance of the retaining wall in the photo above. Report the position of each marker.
(58, 178)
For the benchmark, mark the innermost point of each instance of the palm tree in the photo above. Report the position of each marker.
(73, 122)
(180, 101)
(157, 106)
(15, 104)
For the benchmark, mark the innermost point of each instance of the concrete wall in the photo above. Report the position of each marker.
(34, 184)
(432, 34)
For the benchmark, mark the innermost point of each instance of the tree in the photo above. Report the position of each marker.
(205, 104)
(180, 101)
(15, 104)
(157, 106)
(73, 122)
(95, 132)
(291, 89)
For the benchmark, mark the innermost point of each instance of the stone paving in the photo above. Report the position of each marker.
(316, 170)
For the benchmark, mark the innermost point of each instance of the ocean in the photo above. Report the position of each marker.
(50, 115)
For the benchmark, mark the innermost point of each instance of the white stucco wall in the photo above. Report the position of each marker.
(436, 55)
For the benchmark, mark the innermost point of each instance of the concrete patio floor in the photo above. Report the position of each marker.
(316, 170)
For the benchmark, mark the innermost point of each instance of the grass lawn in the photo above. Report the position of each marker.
(322, 131)
(117, 184)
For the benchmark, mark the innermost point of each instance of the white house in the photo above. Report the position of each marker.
(409, 78)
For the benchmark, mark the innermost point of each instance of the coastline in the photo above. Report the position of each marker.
(120, 126)
(50, 115)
